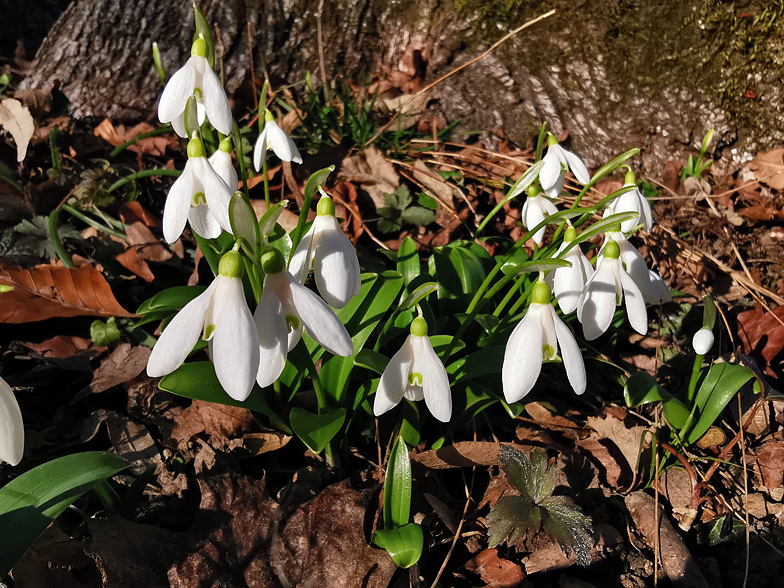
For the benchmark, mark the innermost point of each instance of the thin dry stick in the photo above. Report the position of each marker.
(745, 493)
(457, 533)
(252, 70)
(322, 65)
(454, 71)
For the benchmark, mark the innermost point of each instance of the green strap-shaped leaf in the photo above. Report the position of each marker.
(397, 487)
(408, 260)
(170, 299)
(404, 544)
(316, 430)
(29, 503)
(719, 387)
(642, 388)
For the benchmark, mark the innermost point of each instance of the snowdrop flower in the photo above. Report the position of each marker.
(221, 163)
(535, 209)
(557, 161)
(275, 138)
(415, 372)
(195, 78)
(221, 316)
(703, 340)
(633, 201)
(568, 282)
(200, 196)
(327, 251)
(605, 290)
(535, 340)
(285, 307)
(11, 426)
(650, 284)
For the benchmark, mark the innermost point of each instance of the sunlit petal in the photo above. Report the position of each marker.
(217, 194)
(221, 163)
(11, 426)
(523, 357)
(302, 259)
(336, 267)
(273, 337)
(394, 380)
(435, 381)
(551, 169)
(635, 305)
(215, 102)
(596, 306)
(570, 354)
(176, 93)
(178, 204)
(260, 149)
(577, 167)
(320, 320)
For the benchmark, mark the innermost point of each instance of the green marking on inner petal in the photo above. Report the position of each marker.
(199, 198)
(209, 331)
(415, 379)
(618, 299)
(548, 353)
(199, 93)
(292, 322)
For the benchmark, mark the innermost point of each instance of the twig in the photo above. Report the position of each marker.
(252, 70)
(322, 65)
(454, 71)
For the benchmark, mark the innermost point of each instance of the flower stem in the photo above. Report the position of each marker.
(143, 174)
(266, 184)
(695, 376)
(321, 400)
(167, 128)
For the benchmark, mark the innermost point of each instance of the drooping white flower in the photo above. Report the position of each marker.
(327, 251)
(650, 284)
(557, 161)
(285, 308)
(200, 196)
(633, 201)
(195, 78)
(702, 340)
(221, 316)
(11, 426)
(535, 209)
(568, 282)
(275, 138)
(221, 163)
(536, 339)
(416, 373)
(605, 290)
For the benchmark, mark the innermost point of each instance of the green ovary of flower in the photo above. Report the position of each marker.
(199, 48)
(325, 207)
(272, 261)
(196, 148)
(419, 327)
(231, 265)
(612, 250)
(541, 293)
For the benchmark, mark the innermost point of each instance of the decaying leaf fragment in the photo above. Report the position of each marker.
(17, 120)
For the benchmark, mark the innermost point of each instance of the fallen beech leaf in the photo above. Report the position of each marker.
(17, 120)
(762, 336)
(63, 346)
(49, 291)
(628, 439)
(462, 454)
(542, 416)
(374, 174)
(133, 212)
(611, 467)
(220, 423)
(55, 559)
(132, 260)
(494, 571)
(122, 365)
(129, 439)
(770, 465)
(768, 166)
(119, 135)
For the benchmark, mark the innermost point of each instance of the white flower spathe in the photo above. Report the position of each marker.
(557, 161)
(327, 251)
(416, 373)
(200, 196)
(275, 138)
(221, 316)
(536, 339)
(221, 163)
(605, 290)
(195, 78)
(285, 308)
(568, 282)
(650, 284)
(633, 201)
(11, 426)
(535, 210)
(702, 341)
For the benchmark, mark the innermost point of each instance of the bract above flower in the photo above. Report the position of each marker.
(416, 373)
(285, 308)
(200, 196)
(327, 251)
(221, 163)
(557, 161)
(195, 78)
(275, 138)
(568, 282)
(221, 316)
(11, 426)
(605, 290)
(536, 339)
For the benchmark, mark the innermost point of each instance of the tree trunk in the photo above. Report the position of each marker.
(616, 74)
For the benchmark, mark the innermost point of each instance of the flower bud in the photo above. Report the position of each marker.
(702, 341)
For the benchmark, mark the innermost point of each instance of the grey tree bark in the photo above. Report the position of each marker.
(616, 74)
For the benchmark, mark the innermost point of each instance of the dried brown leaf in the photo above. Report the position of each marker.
(220, 423)
(768, 166)
(762, 335)
(495, 571)
(628, 439)
(770, 465)
(374, 174)
(49, 291)
(460, 455)
(122, 365)
(119, 135)
(64, 346)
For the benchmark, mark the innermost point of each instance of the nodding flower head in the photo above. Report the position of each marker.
(275, 138)
(558, 161)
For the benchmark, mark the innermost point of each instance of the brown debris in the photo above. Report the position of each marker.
(495, 571)
(122, 365)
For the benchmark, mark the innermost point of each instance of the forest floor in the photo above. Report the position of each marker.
(216, 496)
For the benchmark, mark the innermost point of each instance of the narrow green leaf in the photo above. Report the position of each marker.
(170, 299)
(612, 165)
(270, 217)
(316, 430)
(708, 313)
(397, 487)
(404, 545)
(29, 503)
(371, 360)
(719, 387)
(408, 260)
(243, 222)
(417, 295)
(642, 388)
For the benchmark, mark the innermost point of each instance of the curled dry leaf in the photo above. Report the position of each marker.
(462, 454)
(220, 423)
(770, 465)
(48, 291)
(116, 136)
(122, 365)
(762, 336)
(374, 174)
(495, 571)
(17, 120)
(768, 166)
(64, 346)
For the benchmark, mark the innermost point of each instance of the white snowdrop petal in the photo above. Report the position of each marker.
(523, 357)
(217, 194)
(597, 303)
(577, 167)
(179, 337)
(203, 223)
(176, 93)
(555, 190)
(320, 320)
(295, 156)
(178, 204)
(635, 305)
(260, 149)
(283, 147)
(11, 426)
(336, 267)
(300, 263)
(551, 170)
(660, 290)
(178, 124)
(222, 164)
(570, 353)
(235, 345)
(273, 337)
(435, 381)
(215, 101)
(532, 217)
(394, 380)
(568, 284)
